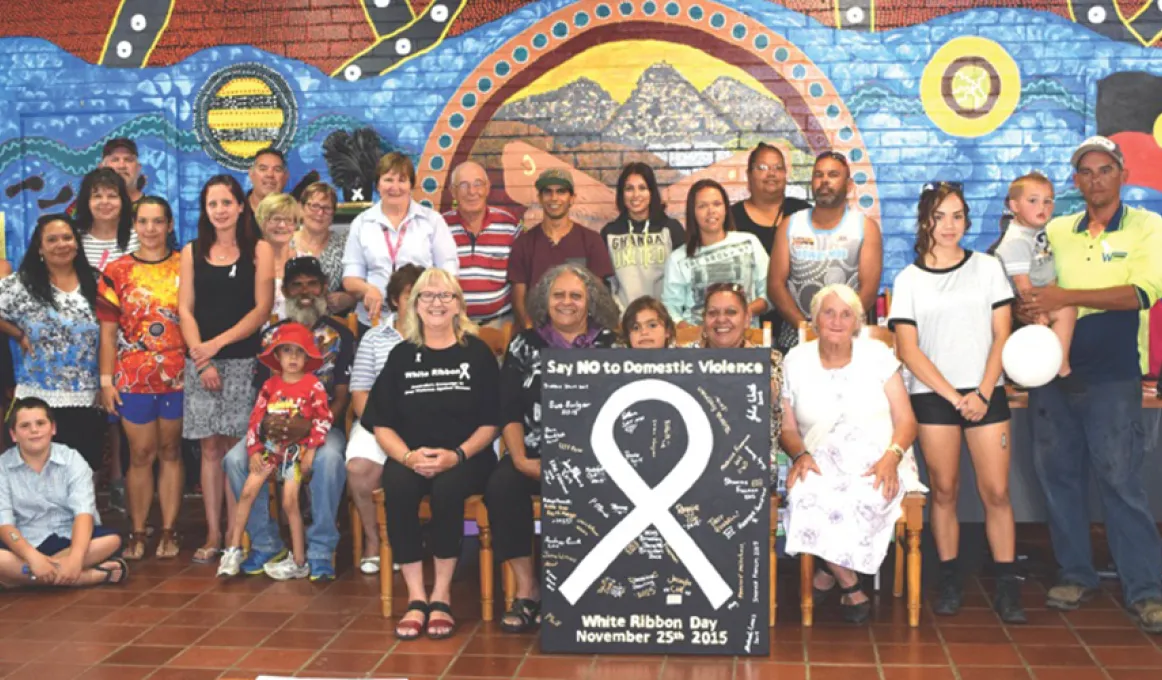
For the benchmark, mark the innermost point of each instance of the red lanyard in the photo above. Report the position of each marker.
(393, 248)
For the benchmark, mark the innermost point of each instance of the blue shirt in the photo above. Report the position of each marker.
(43, 503)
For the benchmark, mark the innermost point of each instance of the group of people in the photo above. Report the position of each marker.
(233, 342)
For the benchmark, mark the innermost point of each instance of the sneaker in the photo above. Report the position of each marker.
(949, 594)
(230, 561)
(258, 558)
(1148, 614)
(1007, 600)
(321, 570)
(369, 565)
(1067, 597)
(284, 570)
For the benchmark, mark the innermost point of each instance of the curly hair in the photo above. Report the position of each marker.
(104, 178)
(602, 308)
(930, 200)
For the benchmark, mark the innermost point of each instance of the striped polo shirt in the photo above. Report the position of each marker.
(484, 262)
(1110, 345)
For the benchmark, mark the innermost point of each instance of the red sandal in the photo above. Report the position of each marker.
(440, 629)
(409, 629)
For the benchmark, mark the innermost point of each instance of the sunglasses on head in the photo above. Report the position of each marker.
(833, 155)
(958, 187)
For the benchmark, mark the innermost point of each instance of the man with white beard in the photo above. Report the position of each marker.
(305, 286)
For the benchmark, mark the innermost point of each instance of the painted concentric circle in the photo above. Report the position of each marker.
(242, 109)
(970, 87)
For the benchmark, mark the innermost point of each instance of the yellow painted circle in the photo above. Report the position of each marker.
(1158, 130)
(970, 87)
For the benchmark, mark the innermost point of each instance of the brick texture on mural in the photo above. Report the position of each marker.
(973, 91)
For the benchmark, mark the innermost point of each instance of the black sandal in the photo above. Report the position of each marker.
(528, 612)
(115, 575)
(853, 613)
(441, 629)
(819, 595)
(411, 630)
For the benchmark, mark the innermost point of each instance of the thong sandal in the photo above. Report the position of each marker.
(440, 629)
(134, 546)
(114, 575)
(207, 554)
(409, 629)
(168, 546)
(526, 611)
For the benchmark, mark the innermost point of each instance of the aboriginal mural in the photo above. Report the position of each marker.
(977, 92)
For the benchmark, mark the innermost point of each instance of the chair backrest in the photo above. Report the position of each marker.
(755, 336)
(352, 322)
(807, 334)
(496, 338)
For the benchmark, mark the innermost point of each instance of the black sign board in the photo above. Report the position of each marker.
(655, 502)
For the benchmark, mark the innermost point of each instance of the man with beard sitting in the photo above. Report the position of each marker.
(305, 286)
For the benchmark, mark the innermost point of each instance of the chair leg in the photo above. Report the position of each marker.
(913, 576)
(486, 575)
(356, 533)
(806, 589)
(774, 580)
(386, 573)
(898, 587)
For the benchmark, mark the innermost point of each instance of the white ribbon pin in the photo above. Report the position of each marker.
(651, 506)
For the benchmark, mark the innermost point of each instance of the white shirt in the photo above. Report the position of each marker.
(425, 242)
(952, 310)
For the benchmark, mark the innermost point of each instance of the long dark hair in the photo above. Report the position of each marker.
(930, 199)
(657, 207)
(105, 178)
(693, 233)
(171, 241)
(33, 271)
(206, 232)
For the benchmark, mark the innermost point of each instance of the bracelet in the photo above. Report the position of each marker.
(980, 394)
(460, 455)
(896, 449)
(795, 459)
(407, 455)
(204, 369)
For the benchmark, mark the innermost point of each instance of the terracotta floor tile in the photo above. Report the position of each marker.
(317, 621)
(43, 670)
(1116, 637)
(234, 637)
(485, 666)
(144, 656)
(1037, 655)
(344, 662)
(1069, 674)
(844, 673)
(425, 646)
(410, 665)
(372, 622)
(256, 619)
(362, 641)
(214, 600)
(25, 650)
(108, 634)
(115, 672)
(298, 639)
(178, 636)
(1044, 617)
(918, 673)
(645, 668)
(1132, 673)
(841, 654)
(137, 616)
(787, 652)
(107, 598)
(683, 669)
(757, 670)
(81, 613)
(984, 655)
(992, 673)
(163, 600)
(1099, 618)
(969, 617)
(846, 636)
(202, 618)
(186, 674)
(200, 656)
(47, 630)
(1025, 635)
(979, 635)
(280, 660)
(1129, 657)
(557, 668)
(186, 585)
(498, 645)
(906, 635)
(87, 653)
(7, 667)
(912, 655)
(278, 603)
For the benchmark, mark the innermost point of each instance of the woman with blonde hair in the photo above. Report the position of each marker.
(848, 428)
(279, 217)
(435, 413)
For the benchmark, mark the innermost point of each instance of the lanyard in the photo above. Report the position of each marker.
(394, 248)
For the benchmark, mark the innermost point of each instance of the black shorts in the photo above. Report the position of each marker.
(933, 409)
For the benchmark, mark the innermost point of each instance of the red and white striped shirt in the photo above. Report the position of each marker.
(484, 262)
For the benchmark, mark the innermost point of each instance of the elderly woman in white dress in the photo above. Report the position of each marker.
(848, 427)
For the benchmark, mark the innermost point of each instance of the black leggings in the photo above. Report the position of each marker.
(403, 490)
(509, 498)
(82, 429)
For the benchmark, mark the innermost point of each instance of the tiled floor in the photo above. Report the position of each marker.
(175, 620)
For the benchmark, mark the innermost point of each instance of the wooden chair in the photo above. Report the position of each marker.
(473, 510)
(908, 527)
(496, 338)
(755, 336)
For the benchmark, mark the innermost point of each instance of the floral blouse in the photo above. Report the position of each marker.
(331, 259)
(62, 369)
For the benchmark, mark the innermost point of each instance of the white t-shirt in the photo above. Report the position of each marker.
(952, 310)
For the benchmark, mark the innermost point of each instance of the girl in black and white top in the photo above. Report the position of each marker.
(951, 313)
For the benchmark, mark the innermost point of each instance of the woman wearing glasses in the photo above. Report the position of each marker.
(951, 311)
(316, 239)
(435, 414)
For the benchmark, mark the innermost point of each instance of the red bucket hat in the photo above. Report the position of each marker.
(292, 334)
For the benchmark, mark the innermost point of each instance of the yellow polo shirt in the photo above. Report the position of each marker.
(1110, 345)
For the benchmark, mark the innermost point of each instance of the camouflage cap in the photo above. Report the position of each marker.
(555, 177)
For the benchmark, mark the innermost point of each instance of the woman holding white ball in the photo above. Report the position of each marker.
(951, 310)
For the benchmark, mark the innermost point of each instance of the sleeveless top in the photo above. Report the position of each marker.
(820, 257)
(222, 296)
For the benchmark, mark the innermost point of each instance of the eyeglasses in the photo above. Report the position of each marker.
(428, 297)
(936, 186)
(320, 207)
(280, 220)
(478, 185)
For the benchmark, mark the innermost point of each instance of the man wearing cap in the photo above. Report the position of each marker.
(484, 236)
(556, 240)
(1109, 265)
(305, 288)
(120, 155)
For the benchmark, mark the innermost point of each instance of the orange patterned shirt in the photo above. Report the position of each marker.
(142, 298)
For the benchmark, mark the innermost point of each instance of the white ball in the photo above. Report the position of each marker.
(1032, 356)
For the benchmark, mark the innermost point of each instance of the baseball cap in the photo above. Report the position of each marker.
(555, 177)
(119, 143)
(1099, 143)
(303, 266)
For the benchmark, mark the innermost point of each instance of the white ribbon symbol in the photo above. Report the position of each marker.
(651, 506)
